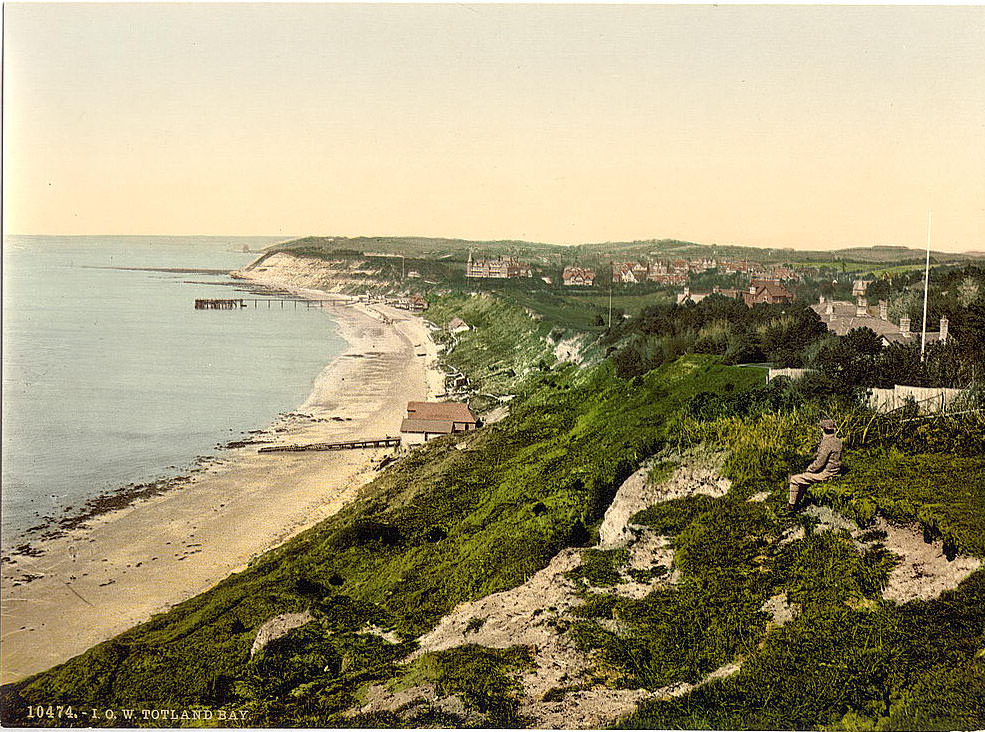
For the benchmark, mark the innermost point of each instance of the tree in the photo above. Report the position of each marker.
(851, 360)
(784, 338)
(968, 291)
(899, 363)
(629, 362)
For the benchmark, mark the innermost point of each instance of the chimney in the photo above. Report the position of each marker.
(821, 301)
(752, 289)
(829, 308)
(861, 308)
(883, 310)
(904, 327)
(943, 330)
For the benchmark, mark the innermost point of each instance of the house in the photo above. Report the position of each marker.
(667, 279)
(418, 304)
(697, 297)
(457, 325)
(578, 277)
(841, 317)
(859, 287)
(502, 268)
(664, 274)
(425, 420)
(905, 335)
(766, 291)
(631, 273)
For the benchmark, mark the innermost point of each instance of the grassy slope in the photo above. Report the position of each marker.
(453, 521)
(504, 343)
(931, 473)
(464, 517)
(850, 660)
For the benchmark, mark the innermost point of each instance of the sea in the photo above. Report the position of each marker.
(112, 377)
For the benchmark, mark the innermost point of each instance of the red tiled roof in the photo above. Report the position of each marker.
(772, 289)
(448, 411)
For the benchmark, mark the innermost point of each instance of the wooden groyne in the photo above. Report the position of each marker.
(346, 445)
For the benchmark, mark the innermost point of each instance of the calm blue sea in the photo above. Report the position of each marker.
(112, 377)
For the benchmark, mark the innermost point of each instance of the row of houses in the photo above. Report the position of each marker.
(578, 277)
(755, 270)
(670, 272)
(501, 268)
(675, 272)
(634, 273)
(415, 303)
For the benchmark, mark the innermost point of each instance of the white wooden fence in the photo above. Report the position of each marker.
(791, 373)
(929, 400)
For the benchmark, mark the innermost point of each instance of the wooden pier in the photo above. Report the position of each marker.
(218, 304)
(258, 302)
(346, 445)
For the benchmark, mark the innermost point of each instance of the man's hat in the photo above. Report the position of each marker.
(827, 425)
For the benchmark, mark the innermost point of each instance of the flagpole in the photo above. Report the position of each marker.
(926, 284)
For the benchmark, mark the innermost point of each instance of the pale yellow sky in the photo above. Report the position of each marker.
(804, 126)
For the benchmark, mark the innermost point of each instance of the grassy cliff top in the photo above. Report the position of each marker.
(602, 252)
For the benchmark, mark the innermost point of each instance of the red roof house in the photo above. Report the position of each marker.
(430, 419)
(766, 291)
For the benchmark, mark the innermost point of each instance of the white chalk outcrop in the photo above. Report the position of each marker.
(283, 270)
(923, 572)
(535, 613)
(692, 478)
(278, 627)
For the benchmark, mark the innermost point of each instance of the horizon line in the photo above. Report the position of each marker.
(282, 239)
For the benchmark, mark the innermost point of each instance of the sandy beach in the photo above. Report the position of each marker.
(124, 566)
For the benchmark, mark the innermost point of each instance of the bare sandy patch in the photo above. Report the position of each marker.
(566, 688)
(924, 571)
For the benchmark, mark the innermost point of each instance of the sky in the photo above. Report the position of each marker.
(812, 127)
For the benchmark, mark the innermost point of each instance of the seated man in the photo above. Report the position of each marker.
(826, 465)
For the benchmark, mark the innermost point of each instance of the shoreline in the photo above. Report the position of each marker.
(177, 537)
(19, 542)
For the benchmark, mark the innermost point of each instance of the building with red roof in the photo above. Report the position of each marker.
(768, 291)
(425, 420)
